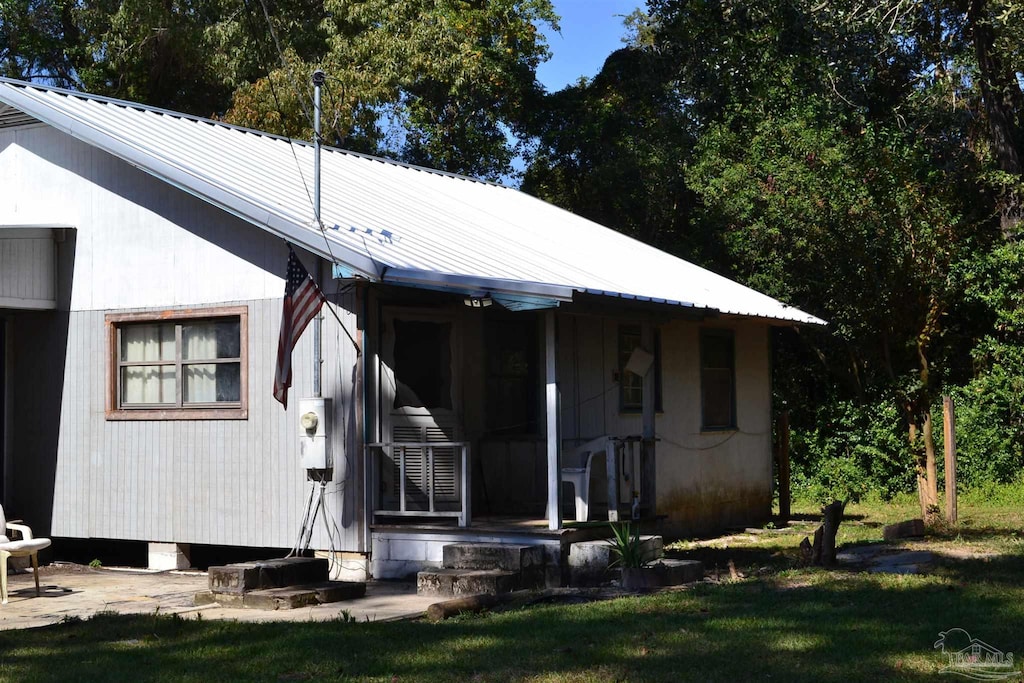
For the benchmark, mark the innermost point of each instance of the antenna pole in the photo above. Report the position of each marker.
(318, 80)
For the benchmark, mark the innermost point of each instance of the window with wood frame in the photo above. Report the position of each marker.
(178, 365)
(631, 386)
(718, 379)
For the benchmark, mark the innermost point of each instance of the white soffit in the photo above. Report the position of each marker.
(388, 221)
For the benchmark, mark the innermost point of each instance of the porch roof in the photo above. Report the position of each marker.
(387, 221)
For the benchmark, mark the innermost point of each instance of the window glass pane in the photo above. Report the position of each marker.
(147, 342)
(148, 384)
(718, 379)
(212, 383)
(423, 373)
(717, 398)
(513, 382)
(210, 340)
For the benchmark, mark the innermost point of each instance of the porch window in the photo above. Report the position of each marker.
(178, 365)
(718, 379)
(423, 362)
(631, 386)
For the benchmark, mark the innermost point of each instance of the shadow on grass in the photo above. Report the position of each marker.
(806, 626)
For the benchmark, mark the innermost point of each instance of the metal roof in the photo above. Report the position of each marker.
(387, 221)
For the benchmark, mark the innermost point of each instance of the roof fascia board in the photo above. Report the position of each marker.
(196, 186)
(469, 284)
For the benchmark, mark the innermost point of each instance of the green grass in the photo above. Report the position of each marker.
(780, 623)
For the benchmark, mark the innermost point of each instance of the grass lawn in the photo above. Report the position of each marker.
(777, 623)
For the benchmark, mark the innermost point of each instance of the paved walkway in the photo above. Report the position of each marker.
(72, 591)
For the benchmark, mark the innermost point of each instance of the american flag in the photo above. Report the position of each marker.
(302, 301)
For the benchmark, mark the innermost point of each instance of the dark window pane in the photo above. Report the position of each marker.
(718, 382)
(513, 392)
(423, 373)
(211, 340)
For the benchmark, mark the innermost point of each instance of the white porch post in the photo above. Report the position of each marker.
(648, 406)
(554, 450)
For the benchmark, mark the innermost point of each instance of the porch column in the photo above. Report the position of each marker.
(648, 477)
(554, 449)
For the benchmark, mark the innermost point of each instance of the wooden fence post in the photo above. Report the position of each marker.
(782, 452)
(949, 439)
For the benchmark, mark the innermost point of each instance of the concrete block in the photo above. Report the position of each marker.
(912, 528)
(346, 566)
(336, 591)
(456, 582)
(248, 576)
(511, 558)
(589, 560)
(677, 572)
(165, 556)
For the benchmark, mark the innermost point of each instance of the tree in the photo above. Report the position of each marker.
(612, 149)
(34, 37)
(442, 84)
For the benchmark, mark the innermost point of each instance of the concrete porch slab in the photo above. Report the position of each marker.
(73, 591)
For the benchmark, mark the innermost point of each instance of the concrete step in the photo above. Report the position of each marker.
(589, 560)
(525, 560)
(289, 597)
(243, 577)
(452, 582)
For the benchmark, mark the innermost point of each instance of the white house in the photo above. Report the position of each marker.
(142, 261)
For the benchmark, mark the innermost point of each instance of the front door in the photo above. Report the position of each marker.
(420, 403)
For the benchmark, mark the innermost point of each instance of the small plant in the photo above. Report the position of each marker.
(626, 546)
(96, 564)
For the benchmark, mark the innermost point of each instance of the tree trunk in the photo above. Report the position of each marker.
(1002, 98)
(823, 550)
(927, 473)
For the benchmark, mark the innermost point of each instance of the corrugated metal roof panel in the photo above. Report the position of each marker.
(387, 220)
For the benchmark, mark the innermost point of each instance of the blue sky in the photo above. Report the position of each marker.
(591, 30)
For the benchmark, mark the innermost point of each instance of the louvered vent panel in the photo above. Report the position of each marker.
(445, 474)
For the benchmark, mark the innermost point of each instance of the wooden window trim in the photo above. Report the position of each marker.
(114, 320)
(635, 328)
(708, 335)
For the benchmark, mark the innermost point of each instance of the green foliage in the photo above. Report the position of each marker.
(851, 450)
(626, 546)
(441, 84)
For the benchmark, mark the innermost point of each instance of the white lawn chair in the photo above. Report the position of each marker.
(26, 546)
(578, 463)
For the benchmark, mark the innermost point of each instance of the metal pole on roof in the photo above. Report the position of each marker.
(318, 80)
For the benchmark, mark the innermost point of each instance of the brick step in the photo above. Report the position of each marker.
(288, 597)
(453, 582)
(243, 577)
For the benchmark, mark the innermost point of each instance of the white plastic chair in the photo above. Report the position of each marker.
(26, 546)
(580, 460)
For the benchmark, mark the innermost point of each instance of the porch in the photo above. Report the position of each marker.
(472, 412)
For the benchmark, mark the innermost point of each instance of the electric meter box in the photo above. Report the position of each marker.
(314, 430)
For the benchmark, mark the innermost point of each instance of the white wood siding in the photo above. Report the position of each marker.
(221, 482)
(140, 242)
(27, 276)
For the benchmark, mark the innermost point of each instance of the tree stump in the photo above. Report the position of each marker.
(823, 550)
